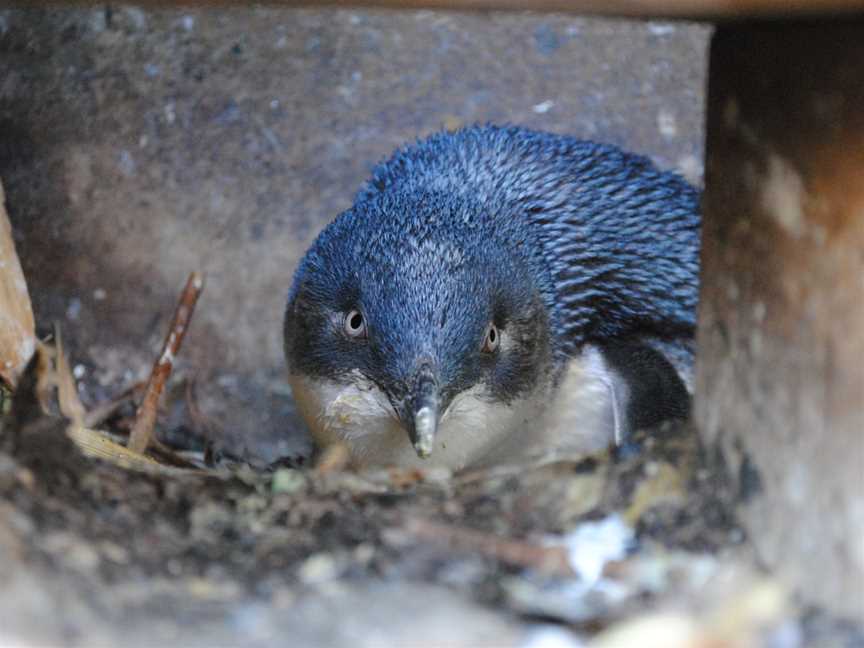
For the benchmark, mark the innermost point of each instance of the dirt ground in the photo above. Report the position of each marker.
(255, 556)
(634, 547)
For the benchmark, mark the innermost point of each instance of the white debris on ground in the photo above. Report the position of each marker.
(594, 544)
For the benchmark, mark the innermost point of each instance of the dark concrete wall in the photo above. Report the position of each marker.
(138, 146)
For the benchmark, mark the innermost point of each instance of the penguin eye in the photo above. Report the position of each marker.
(354, 324)
(492, 340)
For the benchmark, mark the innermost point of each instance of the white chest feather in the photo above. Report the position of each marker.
(474, 431)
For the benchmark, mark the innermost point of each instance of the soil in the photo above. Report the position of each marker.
(573, 551)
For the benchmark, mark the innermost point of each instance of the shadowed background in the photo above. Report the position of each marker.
(137, 146)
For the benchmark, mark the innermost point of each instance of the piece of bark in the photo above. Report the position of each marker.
(17, 329)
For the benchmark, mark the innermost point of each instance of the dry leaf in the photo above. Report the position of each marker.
(67, 390)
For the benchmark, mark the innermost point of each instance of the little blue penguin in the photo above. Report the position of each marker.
(495, 294)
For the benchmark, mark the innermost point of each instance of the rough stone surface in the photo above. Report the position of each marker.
(138, 146)
(781, 338)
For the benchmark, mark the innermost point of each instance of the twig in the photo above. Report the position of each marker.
(142, 432)
(550, 560)
(335, 458)
(167, 456)
(103, 411)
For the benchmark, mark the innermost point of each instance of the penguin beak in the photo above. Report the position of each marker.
(420, 417)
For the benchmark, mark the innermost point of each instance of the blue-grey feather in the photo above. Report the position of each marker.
(582, 241)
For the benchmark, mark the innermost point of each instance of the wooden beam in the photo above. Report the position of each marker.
(780, 376)
(678, 9)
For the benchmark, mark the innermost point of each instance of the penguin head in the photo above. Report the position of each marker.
(417, 299)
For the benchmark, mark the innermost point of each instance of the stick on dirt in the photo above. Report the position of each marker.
(550, 560)
(102, 412)
(145, 419)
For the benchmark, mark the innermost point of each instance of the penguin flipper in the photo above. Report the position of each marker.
(646, 389)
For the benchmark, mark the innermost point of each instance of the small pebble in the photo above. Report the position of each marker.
(318, 568)
(288, 480)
